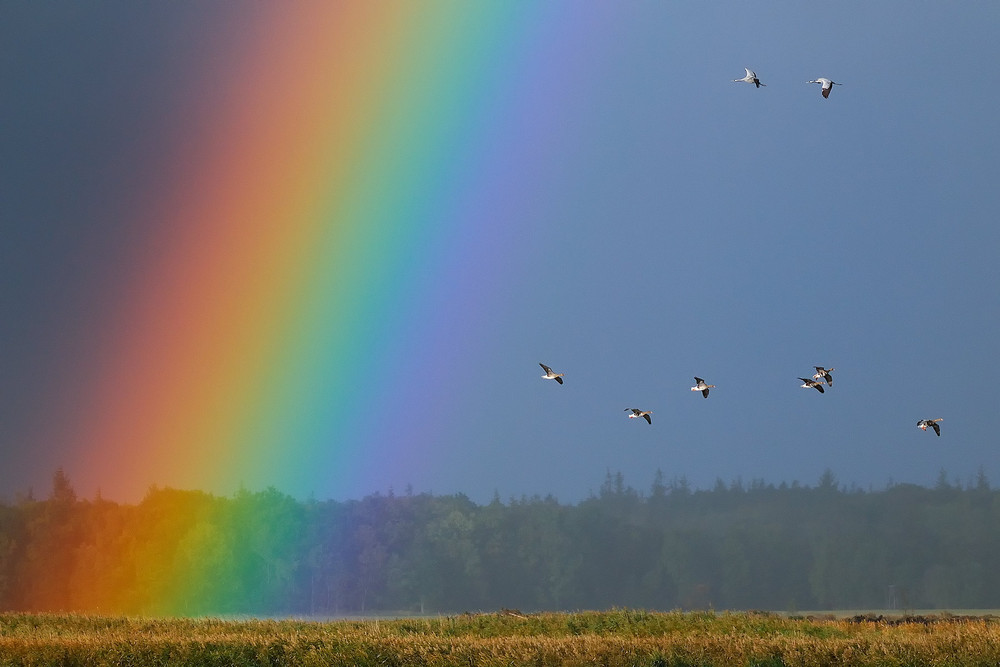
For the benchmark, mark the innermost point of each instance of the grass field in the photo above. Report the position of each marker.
(613, 638)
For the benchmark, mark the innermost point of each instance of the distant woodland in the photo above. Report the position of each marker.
(735, 546)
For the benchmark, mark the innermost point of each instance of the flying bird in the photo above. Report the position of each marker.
(812, 384)
(702, 387)
(827, 85)
(751, 77)
(924, 423)
(636, 413)
(549, 375)
(824, 374)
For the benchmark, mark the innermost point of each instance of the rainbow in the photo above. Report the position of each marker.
(316, 246)
(332, 224)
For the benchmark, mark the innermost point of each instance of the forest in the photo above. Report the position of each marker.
(788, 547)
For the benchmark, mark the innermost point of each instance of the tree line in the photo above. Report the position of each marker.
(734, 546)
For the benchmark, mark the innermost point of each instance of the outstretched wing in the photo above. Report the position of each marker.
(937, 429)
(650, 421)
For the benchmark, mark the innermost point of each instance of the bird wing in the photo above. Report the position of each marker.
(544, 367)
(698, 379)
(937, 429)
(750, 73)
(820, 387)
(648, 420)
(826, 90)
(559, 380)
(704, 392)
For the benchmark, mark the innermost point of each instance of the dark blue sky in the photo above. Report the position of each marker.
(705, 228)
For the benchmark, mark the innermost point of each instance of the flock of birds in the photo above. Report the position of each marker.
(822, 377)
(827, 84)
(819, 377)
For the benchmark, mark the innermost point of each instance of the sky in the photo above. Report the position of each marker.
(324, 246)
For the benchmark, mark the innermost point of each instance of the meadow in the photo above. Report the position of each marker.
(614, 638)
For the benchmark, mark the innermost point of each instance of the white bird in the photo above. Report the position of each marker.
(824, 374)
(827, 85)
(702, 387)
(751, 77)
(812, 384)
(549, 375)
(636, 413)
(924, 423)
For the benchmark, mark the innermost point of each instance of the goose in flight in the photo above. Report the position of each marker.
(702, 387)
(636, 413)
(549, 375)
(827, 85)
(824, 374)
(751, 77)
(812, 384)
(924, 423)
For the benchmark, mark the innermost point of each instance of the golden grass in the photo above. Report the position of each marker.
(615, 638)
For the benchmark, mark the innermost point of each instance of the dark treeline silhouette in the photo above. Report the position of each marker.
(734, 546)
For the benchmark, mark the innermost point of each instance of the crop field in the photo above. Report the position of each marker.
(613, 638)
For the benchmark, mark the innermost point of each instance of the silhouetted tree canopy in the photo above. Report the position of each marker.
(739, 545)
